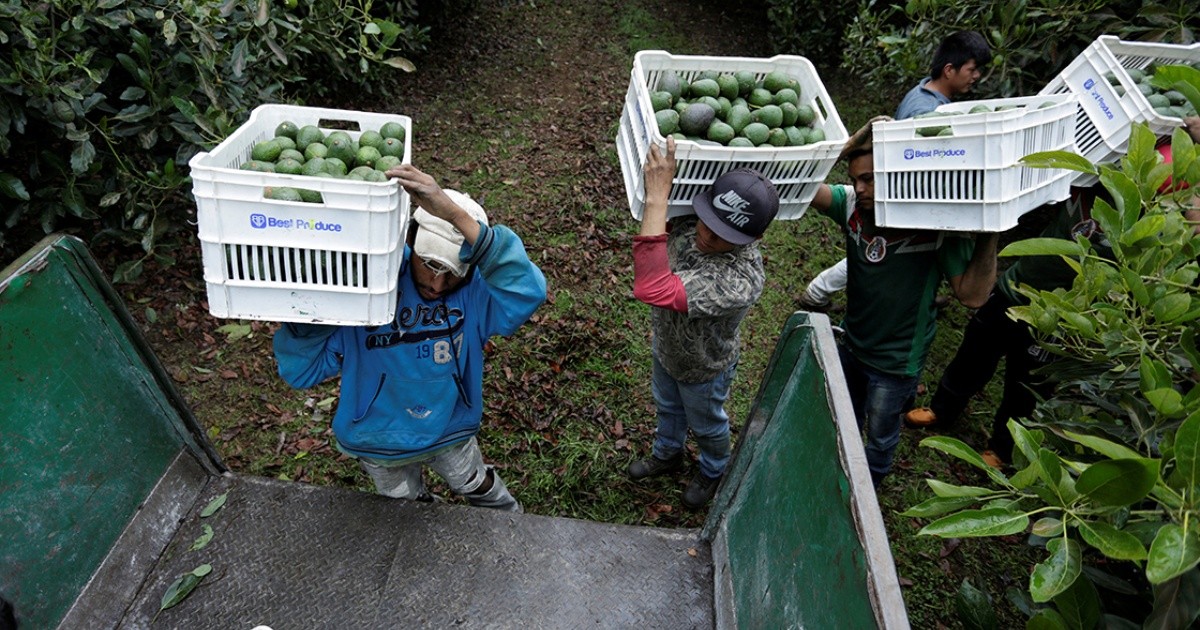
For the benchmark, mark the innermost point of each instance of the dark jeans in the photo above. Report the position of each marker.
(879, 401)
(990, 335)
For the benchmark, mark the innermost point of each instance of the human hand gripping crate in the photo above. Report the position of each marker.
(298, 236)
(1109, 77)
(796, 156)
(959, 168)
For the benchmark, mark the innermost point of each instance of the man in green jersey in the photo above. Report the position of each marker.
(890, 314)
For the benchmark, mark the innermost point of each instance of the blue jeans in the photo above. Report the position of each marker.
(696, 406)
(879, 401)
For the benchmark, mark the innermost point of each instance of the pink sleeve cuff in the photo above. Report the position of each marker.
(653, 282)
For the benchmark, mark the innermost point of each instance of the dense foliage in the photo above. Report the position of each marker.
(809, 28)
(890, 45)
(1107, 474)
(103, 101)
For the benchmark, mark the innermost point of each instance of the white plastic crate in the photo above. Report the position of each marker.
(1105, 117)
(972, 181)
(796, 172)
(334, 262)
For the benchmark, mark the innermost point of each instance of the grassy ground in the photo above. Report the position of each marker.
(518, 104)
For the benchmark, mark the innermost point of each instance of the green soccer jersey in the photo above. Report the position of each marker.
(893, 279)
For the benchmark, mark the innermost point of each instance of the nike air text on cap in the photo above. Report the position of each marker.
(739, 206)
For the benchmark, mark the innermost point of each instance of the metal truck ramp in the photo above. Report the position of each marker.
(296, 556)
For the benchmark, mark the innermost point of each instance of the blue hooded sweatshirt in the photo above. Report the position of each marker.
(406, 391)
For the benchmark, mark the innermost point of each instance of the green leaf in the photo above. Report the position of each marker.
(1108, 448)
(1188, 343)
(1187, 453)
(1135, 286)
(1060, 159)
(943, 489)
(1106, 216)
(127, 271)
(1043, 247)
(1166, 400)
(206, 537)
(937, 506)
(1127, 199)
(1112, 542)
(1118, 482)
(1152, 373)
(233, 332)
(214, 505)
(185, 107)
(1079, 604)
(1058, 572)
(1171, 308)
(1025, 477)
(82, 157)
(179, 590)
(13, 187)
(401, 63)
(974, 608)
(1061, 492)
(1147, 227)
(1176, 603)
(959, 449)
(1047, 619)
(1181, 78)
(978, 523)
(1026, 441)
(1174, 551)
(182, 587)
(1047, 527)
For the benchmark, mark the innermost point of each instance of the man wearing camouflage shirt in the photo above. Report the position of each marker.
(701, 278)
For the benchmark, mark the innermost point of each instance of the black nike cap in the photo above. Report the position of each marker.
(738, 206)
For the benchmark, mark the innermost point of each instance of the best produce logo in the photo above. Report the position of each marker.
(1089, 86)
(263, 222)
(917, 154)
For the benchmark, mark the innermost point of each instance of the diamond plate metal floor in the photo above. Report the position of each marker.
(295, 556)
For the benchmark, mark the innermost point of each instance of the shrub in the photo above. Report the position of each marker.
(810, 28)
(1107, 475)
(103, 101)
(1031, 41)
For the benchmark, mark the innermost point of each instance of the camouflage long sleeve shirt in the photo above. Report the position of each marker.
(697, 344)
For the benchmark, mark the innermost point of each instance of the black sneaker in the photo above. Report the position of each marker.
(700, 491)
(652, 466)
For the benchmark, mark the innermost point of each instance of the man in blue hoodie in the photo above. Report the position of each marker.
(412, 390)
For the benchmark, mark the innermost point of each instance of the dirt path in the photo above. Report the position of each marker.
(517, 102)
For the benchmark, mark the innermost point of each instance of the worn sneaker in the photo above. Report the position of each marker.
(700, 491)
(653, 466)
(920, 418)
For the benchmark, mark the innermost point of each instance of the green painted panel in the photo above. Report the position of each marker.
(795, 555)
(85, 433)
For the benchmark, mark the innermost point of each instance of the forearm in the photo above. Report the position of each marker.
(653, 282)
(659, 174)
(654, 213)
(975, 283)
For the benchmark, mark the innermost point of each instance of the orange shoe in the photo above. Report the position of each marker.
(992, 459)
(920, 418)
